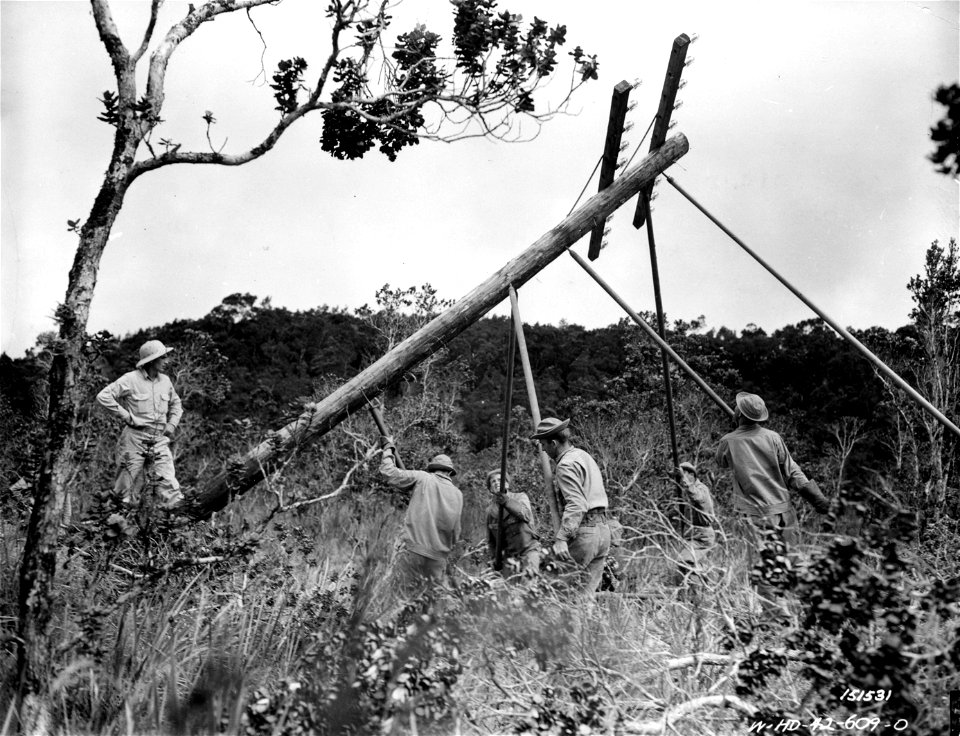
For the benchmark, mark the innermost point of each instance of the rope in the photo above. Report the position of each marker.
(632, 155)
(589, 179)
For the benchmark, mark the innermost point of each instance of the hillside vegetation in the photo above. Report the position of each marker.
(276, 616)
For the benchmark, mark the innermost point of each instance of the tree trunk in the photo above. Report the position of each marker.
(353, 396)
(38, 565)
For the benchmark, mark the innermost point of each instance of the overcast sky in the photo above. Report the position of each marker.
(808, 125)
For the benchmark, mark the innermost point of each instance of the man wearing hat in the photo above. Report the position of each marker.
(150, 408)
(701, 534)
(763, 471)
(432, 523)
(520, 542)
(584, 535)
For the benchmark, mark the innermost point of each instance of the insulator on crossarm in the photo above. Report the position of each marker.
(694, 37)
(624, 146)
(631, 106)
(627, 127)
(604, 243)
(678, 104)
(621, 163)
(636, 83)
(683, 83)
(672, 125)
(606, 231)
(654, 195)
(688, 62)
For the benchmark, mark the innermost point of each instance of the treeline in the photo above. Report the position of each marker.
(252, 363)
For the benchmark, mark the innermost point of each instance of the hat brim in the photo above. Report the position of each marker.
(152, 358)
(550, 432)
(438, 466)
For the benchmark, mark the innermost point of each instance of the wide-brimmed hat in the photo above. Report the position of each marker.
(151, 350)
(752, 407)
(688, 466)
(549, 427)
(442, 462)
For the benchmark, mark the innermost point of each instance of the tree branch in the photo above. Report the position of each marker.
(676, 713)
(154, 9)
(110, 36)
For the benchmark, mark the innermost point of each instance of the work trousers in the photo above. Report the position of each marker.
(415, 573)
(786, 527)
(589, 549)
(134, 449)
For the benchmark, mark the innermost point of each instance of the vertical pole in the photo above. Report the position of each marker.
(534, 410)
(505, 443)
(661, 329)
(378, 420)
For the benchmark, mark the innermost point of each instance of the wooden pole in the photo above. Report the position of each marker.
(652, 334)
(317, 419)
(505, 444)
(914, 395)
(668, 98)
(611, 151)
(661, 328)
(534, 411)
(378, 420)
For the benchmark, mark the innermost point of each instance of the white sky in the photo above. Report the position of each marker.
(808, 126)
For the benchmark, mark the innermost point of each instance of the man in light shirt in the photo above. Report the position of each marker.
(584, 535)
(431, 526)
(150, 408)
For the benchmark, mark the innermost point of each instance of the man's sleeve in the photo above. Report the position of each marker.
(792, 473)
(520, 507)
(175, 407)
(109, 399)
(403, 479)
(722, 456)
(570, 478)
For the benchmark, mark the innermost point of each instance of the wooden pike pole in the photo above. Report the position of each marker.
(318, 419)
(535, 409)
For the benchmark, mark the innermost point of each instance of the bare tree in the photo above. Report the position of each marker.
(367, 92)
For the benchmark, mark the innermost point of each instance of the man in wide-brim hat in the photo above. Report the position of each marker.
(147, 403)
(431, 526)
(764, 473)
(584, 535)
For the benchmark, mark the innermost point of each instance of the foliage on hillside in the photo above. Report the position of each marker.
(277, 615)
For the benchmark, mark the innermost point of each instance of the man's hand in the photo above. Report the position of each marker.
(561, 551)
(136, 422)
(500, 498)
(169, 430)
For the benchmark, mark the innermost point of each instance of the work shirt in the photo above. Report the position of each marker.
(432, 524)
(702, 515)
(135, 394)
(763, 471)
(578, 479)
(518, 523)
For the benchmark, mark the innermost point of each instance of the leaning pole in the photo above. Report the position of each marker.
(317, 419)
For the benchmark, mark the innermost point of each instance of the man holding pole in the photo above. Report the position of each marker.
(432, 523)
(584, 535)
(520, 543)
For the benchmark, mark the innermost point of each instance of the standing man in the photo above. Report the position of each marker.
(521, 545)
(584, 536)
(764, 473)
(149, 406)
(701, 534)
(432, 523)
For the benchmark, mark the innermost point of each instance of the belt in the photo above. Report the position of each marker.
(594, 516)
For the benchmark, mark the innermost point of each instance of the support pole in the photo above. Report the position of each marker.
(505, 443)
(652, 334)
(611, 151)
(534, 410)
(845, 334)
(244, 472)
(381, 425)
(661, 328)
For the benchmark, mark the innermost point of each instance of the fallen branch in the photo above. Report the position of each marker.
(684, 709)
